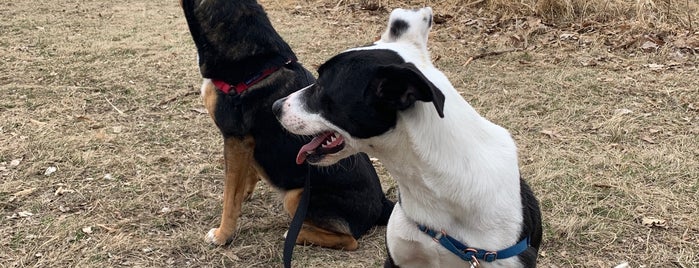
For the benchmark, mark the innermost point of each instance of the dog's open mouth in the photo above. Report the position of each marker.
(328, 142)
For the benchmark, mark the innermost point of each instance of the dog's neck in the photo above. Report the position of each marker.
(463, 175)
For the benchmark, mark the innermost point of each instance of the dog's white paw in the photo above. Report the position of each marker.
(211, 238)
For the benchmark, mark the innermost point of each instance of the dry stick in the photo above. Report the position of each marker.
(115, 108)
(176, 97)
(487, 54)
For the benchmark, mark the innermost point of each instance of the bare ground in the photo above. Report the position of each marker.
(606, 116)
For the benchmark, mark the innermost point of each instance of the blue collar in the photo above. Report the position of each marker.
(470, 254)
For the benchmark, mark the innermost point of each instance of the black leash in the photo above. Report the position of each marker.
(297, 221)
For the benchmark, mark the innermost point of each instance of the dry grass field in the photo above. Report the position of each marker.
(108, 159)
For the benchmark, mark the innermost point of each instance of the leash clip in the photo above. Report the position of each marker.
(474, 262)
(439, 236)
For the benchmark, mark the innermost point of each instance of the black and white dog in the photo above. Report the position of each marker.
(462, 198)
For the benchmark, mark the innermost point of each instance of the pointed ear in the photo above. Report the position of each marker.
(401, 85)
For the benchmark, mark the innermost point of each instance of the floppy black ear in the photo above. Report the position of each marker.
(401, 85)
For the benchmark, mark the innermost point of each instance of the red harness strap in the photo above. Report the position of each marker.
(245, 85)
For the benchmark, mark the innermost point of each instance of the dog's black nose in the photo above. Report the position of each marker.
(277, 107)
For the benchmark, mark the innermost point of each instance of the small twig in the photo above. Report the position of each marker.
(177, 97)
(115, 108)
(488, 54)
(105, 227)
(338, 4)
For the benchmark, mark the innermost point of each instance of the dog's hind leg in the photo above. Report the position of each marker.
(252, 178)
(315, 235)
(238, 184)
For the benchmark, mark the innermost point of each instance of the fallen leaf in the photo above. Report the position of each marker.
(649, 46)
(50, 170)
(654, 222)
(654, 67)
(61, 191)
(24, 214)
(588, 62)
(116, 129)
(82, 118)
(15, 162)
(622, 265)
(87, 230)
(568, 36)
(551, 133)
(647, 139)
(22, 193)
(108, 176)
(232, 256)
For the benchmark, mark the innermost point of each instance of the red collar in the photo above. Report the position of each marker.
(245, 85)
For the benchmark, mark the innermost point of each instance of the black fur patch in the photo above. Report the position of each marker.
(398, 27)
(235, 44)
(362, 91)
(531, 225)
(335, 94)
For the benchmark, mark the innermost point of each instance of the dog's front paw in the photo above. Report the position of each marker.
(215, 237)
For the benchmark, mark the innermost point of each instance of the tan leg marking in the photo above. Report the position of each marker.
(210, 96)
(314, 235)
(237, 185)
(252, 178)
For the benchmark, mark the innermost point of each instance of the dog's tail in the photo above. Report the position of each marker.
(385, 212)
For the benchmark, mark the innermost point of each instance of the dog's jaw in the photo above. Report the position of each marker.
(293, 116)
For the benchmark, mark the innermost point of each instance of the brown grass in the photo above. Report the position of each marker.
(607, 129)
(680, 13)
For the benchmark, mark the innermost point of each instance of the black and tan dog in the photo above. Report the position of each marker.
(246, 66)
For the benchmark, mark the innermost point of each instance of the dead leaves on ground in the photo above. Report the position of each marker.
(621, 40)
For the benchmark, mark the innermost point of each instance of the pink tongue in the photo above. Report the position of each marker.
(303, 152)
